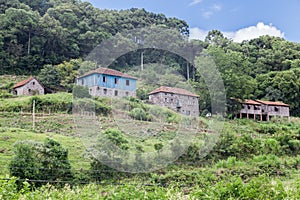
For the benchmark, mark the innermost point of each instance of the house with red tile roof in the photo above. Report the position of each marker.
(30, 86)
(263, 110)
(177, 99)
(108, 83)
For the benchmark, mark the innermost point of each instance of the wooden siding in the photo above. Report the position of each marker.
(96, 85)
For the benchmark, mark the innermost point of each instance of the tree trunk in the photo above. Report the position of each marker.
(29, 41)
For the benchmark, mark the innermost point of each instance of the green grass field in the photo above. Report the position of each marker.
(251, 160)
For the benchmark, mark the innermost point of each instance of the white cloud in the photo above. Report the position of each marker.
(194, 2)
(197, 33)
(216, 7)
(247, 33)
(207, 13)
(256, 31)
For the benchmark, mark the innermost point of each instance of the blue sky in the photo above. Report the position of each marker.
(237, 19)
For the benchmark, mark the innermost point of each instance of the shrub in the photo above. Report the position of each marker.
(268, 164)
(101, 108)
(139, 114)
(270, 146)
(267, 128)
(9, 189)
(117, 138)
(60, 102)
(81, 92)
(36, 161)
(260, 187)
(5, 94)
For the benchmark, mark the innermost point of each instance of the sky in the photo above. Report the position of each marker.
(237, 19)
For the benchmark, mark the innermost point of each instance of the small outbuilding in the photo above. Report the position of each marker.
(30, 86)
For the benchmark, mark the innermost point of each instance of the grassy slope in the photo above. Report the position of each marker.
(9, 79)
(9, 136)
(16, 127)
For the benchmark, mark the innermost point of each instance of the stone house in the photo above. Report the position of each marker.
(263, 110)
(177, 99)
(108, 83)
(30, 86)
(273, 109)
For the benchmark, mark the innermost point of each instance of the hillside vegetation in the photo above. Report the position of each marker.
(248, 157)
(51, 39)
(44, 156)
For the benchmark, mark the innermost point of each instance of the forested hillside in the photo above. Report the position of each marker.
(44, 152)
(50, 38)
(38, 32)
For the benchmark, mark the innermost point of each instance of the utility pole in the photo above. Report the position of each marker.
(187, 70)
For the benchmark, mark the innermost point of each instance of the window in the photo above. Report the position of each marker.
(29, 90)
(276, 109)
(33, 83)
(104, 79)
(127, 94)
(127, 82)
(116, 80)
(116, 92)
(98, 88)
(105, 91)
(249, 107)
(82, 82)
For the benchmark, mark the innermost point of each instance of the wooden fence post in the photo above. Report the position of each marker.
(33, 115)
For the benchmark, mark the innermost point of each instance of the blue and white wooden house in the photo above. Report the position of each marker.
(109, 83)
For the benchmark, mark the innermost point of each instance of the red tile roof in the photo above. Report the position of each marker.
(259, 102)
(246, 101)
(108, 71)
(272, 103)
(252, 102)
(24, 82)
(173, 91)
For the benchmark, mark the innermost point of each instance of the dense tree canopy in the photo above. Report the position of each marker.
(38, 32)
(262, 68)
(50, 38)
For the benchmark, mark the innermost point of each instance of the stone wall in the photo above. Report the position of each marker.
(110, 92)
(283, 111)
(33, 87)
(187, 105)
